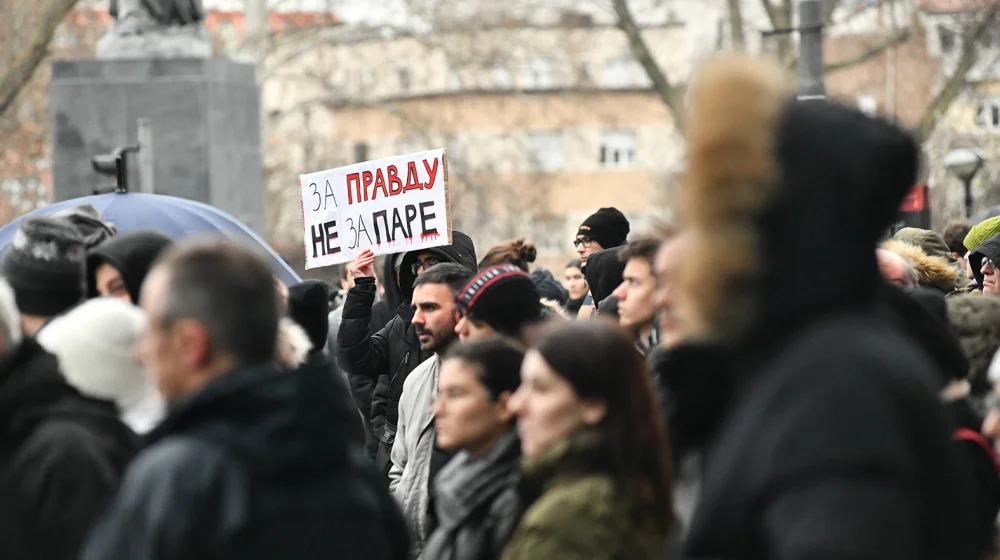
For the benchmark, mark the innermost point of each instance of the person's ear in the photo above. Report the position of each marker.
(594, 411)
(191, 340)
(505, 413)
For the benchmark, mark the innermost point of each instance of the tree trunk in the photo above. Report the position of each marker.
(28, 57)
(956, 82)
(671, 95)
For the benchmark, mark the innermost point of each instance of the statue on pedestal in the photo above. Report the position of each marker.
(156, 29)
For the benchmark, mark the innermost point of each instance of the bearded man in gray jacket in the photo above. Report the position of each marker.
(415, 457)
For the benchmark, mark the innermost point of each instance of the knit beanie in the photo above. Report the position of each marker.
(88, 223)
(95, 343)
(548, 287)
(607, 226)
(981, 232)
(503, 297)
(45, 264)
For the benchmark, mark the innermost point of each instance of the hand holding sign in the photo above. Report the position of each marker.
(384, 206)
(363, 266)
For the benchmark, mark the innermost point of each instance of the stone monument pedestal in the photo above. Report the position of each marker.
(205, 116)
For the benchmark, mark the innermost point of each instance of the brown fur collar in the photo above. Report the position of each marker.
(933, 271)
(732, 170)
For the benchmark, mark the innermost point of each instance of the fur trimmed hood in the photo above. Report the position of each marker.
(764, 188)
(933, 272)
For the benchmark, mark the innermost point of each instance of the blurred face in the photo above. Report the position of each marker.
(434, 316)
(547, 407)
(636, 294)
(585, 247)
(575, 283)
(469, 329)
(666, 265)
(171, 355)
(110, 283)
(464, 415)
(892, 267)
(425, 260)
(990, 277)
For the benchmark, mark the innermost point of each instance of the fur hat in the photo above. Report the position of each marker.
(45, 264)
(95, 343)
(607, 226)
(932, 271)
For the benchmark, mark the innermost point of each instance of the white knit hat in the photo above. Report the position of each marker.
(95, 343)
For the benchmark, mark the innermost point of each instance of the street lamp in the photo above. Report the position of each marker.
(964, 163)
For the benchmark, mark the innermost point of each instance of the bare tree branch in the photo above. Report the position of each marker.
(736, 25)
(957, 80)
(899, 37)
(26, 60)
(671, 95)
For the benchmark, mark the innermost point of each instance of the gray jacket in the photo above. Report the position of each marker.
(476, 503)
(409, 476)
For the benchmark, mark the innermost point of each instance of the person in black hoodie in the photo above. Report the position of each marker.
(118, 266)
(378, 363)
(836, 444)
(252, 461)
(61, 454)
(604, 274)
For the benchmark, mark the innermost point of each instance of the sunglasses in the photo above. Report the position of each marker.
(417, 266)
(989, 262)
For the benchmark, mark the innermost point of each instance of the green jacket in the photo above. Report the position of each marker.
(578, 514)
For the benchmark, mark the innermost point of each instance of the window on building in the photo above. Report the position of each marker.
(618, 149)
(546, 150)
(360, 152)
(541, 73)
(502, 78)
(946, 37)
(988, 114)
(404, 79)
(616, 73)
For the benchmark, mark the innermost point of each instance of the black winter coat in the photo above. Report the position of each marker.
(62, 456)
(837, 445)
(259, 463)
(476, 503)
(384, 359)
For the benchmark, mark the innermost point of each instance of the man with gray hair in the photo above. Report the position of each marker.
(61, 454)
(253, 460)
(896, 269)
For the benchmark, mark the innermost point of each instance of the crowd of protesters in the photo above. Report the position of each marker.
(696, 391)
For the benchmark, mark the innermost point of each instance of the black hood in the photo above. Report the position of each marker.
(989, 249)
(922, 315)
(284, 425)
(309, 307)
(33, 390)
(548, 287)
(763, 187)
(132, 254)
(604, 273)
(461, 251)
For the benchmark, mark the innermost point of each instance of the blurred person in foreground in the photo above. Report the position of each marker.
(476, 492)
(252, 461)
(596, 473)
(837, 445)
(416, 457)
(63, 453)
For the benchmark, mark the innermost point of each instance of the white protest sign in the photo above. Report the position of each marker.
(388, 205)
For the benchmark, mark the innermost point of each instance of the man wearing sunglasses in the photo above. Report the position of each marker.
(984, 261)
(377, 363)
